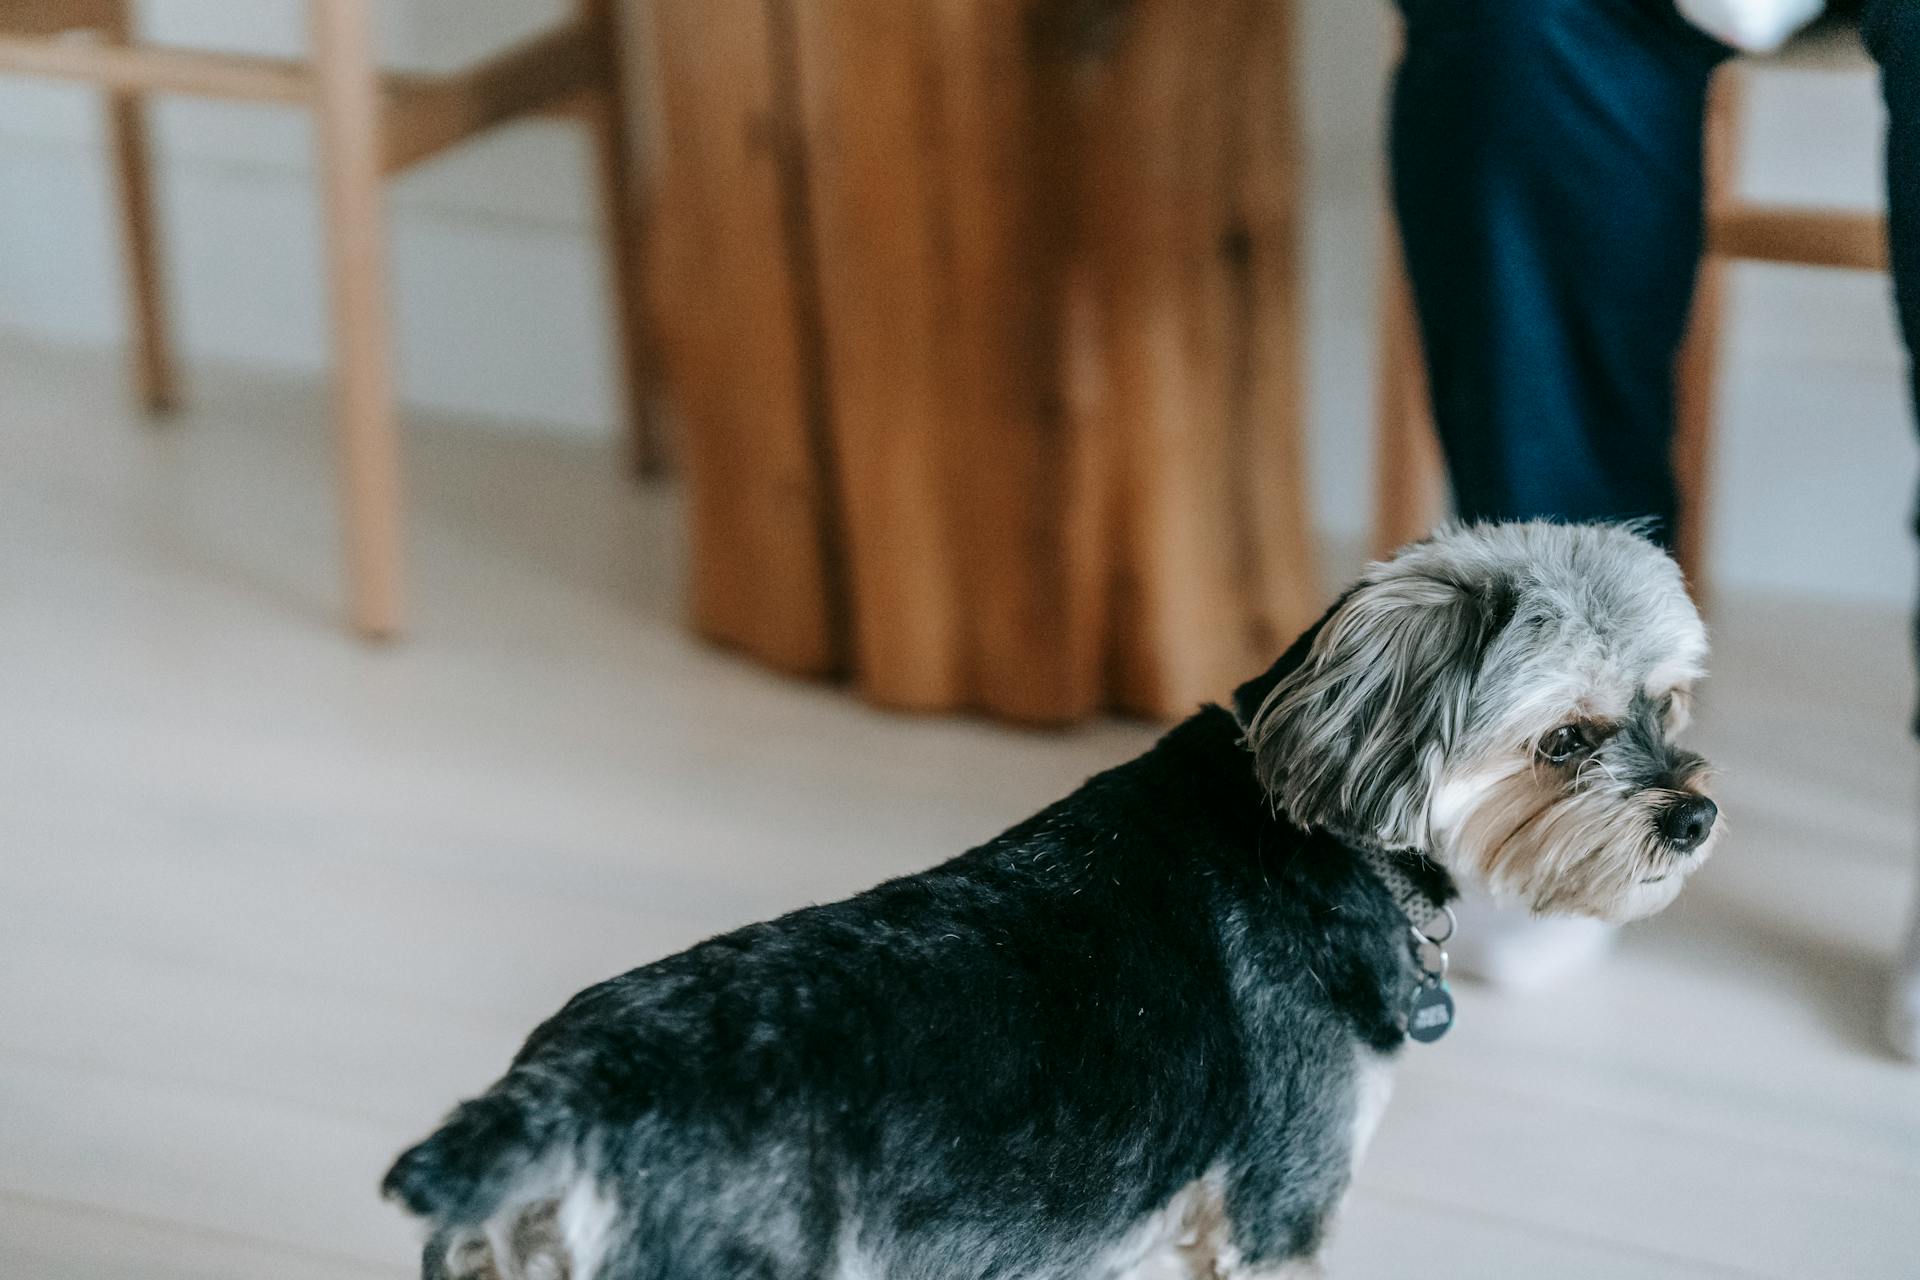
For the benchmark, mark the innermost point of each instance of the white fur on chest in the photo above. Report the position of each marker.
(1374, 1089)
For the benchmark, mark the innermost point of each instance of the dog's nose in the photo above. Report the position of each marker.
(1685, 823)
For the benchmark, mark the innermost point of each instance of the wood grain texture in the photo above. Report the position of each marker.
(1190, 256)
(1021, 474)
(1697, 370)
(1054, 253)
(865, 74)
(740, 338)
(938, 158)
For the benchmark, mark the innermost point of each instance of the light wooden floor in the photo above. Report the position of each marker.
(271, 900)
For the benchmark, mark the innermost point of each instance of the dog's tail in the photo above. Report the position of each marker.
(511, 1144)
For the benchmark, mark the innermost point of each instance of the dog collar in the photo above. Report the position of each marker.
(1429, 1010)
(1422, 910)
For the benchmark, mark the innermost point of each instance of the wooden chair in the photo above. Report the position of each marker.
(1410, 483)
(369, 125)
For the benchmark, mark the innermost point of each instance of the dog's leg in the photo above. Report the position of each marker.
(458, 1253)
(1293, 1269)
(1300, 1269)
(529, 1245)
(1207, 1252)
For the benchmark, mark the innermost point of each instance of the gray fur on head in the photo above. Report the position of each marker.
(1417, 715)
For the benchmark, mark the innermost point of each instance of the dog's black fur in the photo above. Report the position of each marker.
(992, 1068)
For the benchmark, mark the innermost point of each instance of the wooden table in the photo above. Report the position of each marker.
(984, 320)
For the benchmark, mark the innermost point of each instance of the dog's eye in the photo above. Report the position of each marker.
(1564, 743)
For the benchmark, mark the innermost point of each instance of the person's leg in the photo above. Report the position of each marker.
(1547, 177)
(1892, 31)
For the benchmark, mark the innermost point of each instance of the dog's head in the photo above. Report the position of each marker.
(1504, 698)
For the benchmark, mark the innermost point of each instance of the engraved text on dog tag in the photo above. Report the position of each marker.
(1431, 1012)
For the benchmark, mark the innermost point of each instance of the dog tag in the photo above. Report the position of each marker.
(1431, 1012)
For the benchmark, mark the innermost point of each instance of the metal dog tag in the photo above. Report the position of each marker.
(1431, 1013)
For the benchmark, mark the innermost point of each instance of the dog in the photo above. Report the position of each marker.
(1146, 1033)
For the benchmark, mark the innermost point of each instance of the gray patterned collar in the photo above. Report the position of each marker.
(1389, 866)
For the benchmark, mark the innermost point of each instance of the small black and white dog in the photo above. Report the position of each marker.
(1147, 1032)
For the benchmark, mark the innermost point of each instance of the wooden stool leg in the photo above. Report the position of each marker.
(153, 373)
(1410, 477)
(348, 124)
(1696, 381)
(1697, 378)
(625, 223)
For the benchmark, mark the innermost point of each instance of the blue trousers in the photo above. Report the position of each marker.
(1546, 159)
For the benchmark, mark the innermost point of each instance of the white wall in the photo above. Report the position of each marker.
(500, 308)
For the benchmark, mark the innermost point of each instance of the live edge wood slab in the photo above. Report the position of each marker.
(983, 317)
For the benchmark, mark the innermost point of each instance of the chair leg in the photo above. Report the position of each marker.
(1409, 475)
(1697, 371)
(625, 225)
(127, 138)
(348, 131)
(1695, 401)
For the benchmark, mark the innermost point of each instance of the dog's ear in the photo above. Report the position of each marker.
(1251, 696)
(1349, 727)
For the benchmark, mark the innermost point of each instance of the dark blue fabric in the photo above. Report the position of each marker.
(1546, 172)
(1892, 32)
(1547, 175)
